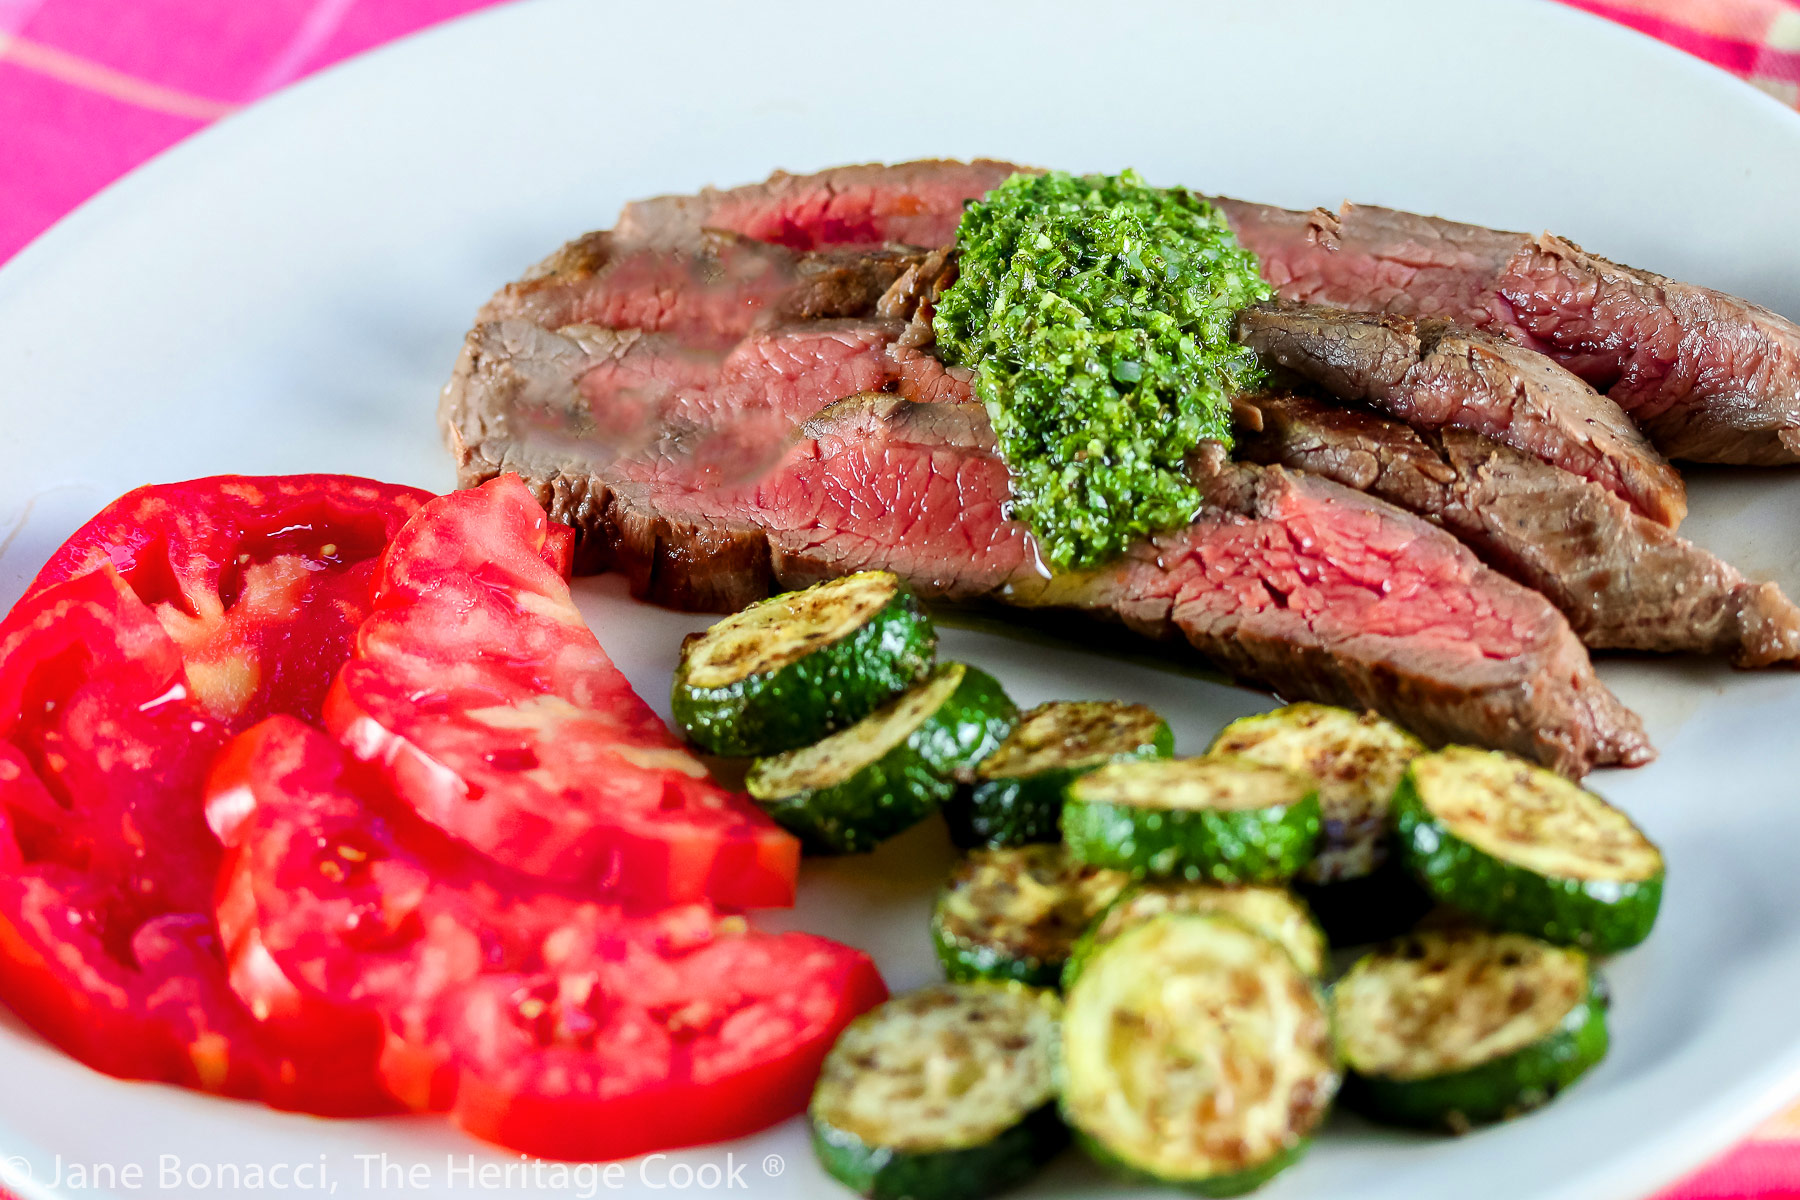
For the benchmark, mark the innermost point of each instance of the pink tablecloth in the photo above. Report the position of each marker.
(91, 88)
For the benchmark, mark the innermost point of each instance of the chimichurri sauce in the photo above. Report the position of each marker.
(1096, 313)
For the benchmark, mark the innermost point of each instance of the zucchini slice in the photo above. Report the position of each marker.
(1457, 1028)
(1195, 1053)
(788, 670)
(1276, 913)
(1016, 912)
(1357, 760)
(889, 771)
(944, 1094)
(1525, 850)
(1018, 792)
(1225, 820)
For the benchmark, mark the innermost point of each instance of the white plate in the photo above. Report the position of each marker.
(286, 293)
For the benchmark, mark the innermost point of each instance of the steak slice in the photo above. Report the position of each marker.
(917, 203)
(1296, 582)
(1707, 376)
(713, 267)
(601, 409)
(1623, 581)
(1434, 374)
(712, 293)
(700, 470)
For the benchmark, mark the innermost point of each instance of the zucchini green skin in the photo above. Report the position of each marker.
(1261, 845)
(1013, 914)
(1022, 809)
(1600, 916)
(1357, 759)
(964, 962)
(905, 785)
(1494, 1091)
(1010, 812)
(1091, 942)
(972, 1173)
(1127, 1034)
(1236, 1184)
(835, 685)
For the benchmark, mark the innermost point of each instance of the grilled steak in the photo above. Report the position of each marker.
(695, 461)
(1707, 376)
(1623, 581)
(917, 203)
(709, 294)
(1296, 582)
(1434, 374)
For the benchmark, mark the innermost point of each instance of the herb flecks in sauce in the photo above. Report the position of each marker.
(1096, 314)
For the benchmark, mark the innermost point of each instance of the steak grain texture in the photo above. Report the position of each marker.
(1434, 374)
(1709, 377)
(1623, 581)
(712, 463)
(1301, 584)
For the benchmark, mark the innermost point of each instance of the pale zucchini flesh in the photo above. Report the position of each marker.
(1223, 820)
(890, 770)
(1459, 1027)
(1276, 913)
(1016, 912)
(832, 760)
(1523, 849)
(1075, 734)
(1356, 759)
(1196, 1053)
(790, 669)
(946, 1093)
(1017, 796)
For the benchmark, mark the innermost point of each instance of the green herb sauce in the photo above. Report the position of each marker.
(1096, 314)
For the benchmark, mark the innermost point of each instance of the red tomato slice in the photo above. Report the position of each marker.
(539, 1019)
(107, 942)
(491, 708)
(261, 581)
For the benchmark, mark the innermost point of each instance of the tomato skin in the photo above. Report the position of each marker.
(538, 1018)
(179, 613)
(556, 1101)
(107, 944)
(490, 707)
(259, 916)
(261, 581)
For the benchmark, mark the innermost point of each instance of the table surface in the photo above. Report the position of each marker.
(91, 88)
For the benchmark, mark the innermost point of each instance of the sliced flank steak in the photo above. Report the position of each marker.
(915, 203)
(1623, 581)
(1295, 582)
(1434, 374)
(1709, 377)
(712, 293)
(711, 473)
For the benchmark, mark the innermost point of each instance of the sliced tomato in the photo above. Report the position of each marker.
(490, 707)
(107, 941)
(539, 1019)
(260, 581)
(632, 1051)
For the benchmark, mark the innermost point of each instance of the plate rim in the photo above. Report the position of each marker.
(1732, 1113)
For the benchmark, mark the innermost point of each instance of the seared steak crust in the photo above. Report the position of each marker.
(1623, 581)
(1435, 374)
(1293, 581)
(917, 203)
(711, 468)
(1707, 376)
